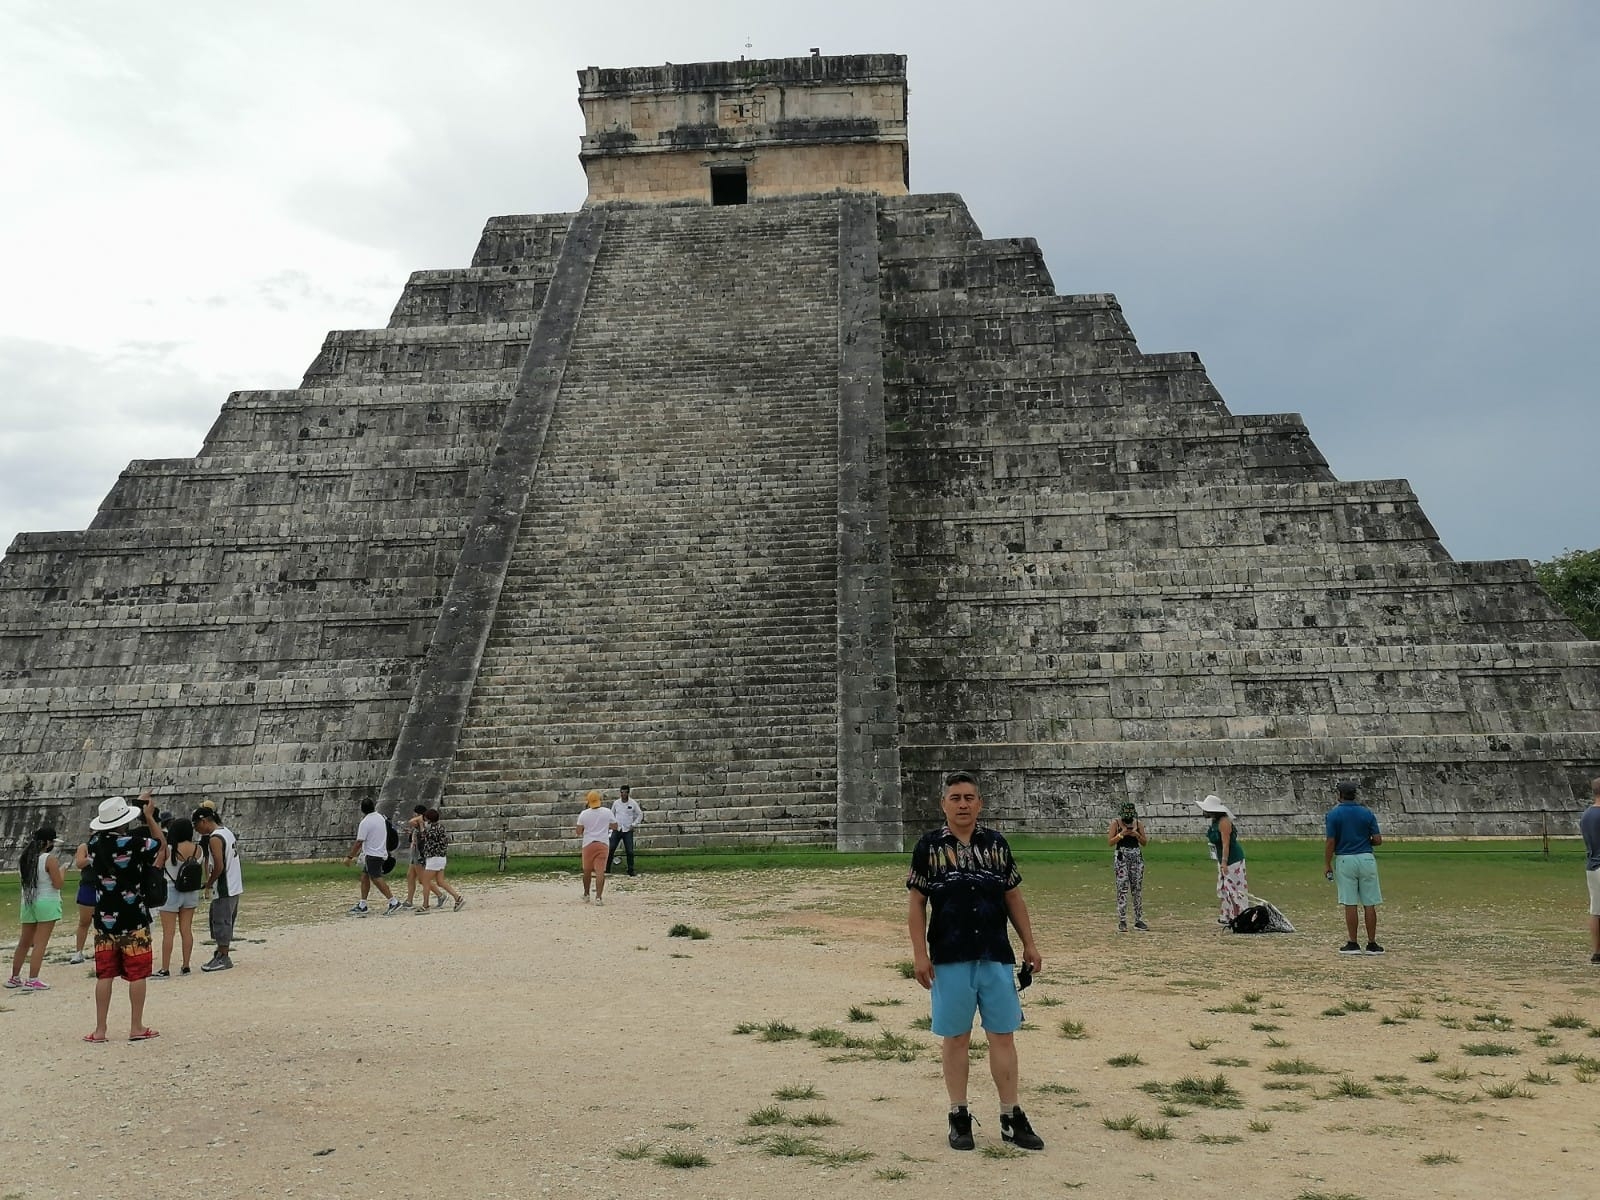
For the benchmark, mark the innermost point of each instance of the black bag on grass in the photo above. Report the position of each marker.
(1254, 919)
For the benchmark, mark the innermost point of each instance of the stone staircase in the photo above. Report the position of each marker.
(668, 617)
(1108, 587)
(247, 624)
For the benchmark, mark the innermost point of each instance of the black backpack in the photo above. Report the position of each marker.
(1254, 919)
(190, 876)
(393, 835)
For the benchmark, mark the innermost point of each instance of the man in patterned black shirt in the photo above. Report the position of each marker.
(116, 857)
(963, 955)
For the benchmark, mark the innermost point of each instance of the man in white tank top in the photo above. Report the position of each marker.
(226, 882)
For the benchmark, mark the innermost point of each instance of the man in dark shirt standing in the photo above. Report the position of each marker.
(116, 857)
(964, 957)
(1352, 832)
(1589, 825)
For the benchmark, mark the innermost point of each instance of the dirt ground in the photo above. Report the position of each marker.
(532, 1045)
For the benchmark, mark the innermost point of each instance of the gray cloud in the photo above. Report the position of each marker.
(1377, 215)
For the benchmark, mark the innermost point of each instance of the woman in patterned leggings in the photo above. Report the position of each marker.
(1127, 838)
(1226, 849)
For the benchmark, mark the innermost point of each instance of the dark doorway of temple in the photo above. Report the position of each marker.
(729, 186)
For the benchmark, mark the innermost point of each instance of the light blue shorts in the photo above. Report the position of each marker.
(1357, 877)
(964, 988)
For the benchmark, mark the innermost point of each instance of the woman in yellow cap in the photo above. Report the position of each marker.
(594, 826)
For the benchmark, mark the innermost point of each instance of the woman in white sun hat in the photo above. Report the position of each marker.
(1232, 891)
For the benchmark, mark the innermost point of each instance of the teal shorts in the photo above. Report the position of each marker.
(1357, 877)
(40, 911)
(964, 988)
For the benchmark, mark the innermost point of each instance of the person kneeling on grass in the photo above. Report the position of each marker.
(963, 955)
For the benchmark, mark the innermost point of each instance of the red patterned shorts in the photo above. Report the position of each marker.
(122, 955)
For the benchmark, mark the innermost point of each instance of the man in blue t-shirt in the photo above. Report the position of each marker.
(1589, 826)
(965, 873)
(1352, 832)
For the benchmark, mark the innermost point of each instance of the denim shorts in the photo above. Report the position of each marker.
(963, 988)
(177, 900)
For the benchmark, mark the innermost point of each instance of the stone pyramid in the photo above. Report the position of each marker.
(775, 491)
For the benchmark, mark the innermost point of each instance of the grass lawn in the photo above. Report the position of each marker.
(1441, 897)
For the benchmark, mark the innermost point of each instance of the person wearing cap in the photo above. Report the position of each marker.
(372, 843)
(1233, 890)
(626, 813)
(117, 856)
(1352, 832)
(965, 873)
(594, 827)
(1127, 838)
(225, 882)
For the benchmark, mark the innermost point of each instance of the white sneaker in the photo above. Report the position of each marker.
(77, 958)
(598, 900)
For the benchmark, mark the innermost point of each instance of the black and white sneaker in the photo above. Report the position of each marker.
(961, 1129)
(1374, 948)
(1014, 1128)
(219, 964)
(1141, 925)
(358, 910)
(1350, 948)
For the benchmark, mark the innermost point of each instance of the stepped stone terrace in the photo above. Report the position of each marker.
(774, 490)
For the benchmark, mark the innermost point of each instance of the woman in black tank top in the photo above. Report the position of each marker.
(1127, 837)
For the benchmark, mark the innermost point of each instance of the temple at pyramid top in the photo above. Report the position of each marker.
(731, 132)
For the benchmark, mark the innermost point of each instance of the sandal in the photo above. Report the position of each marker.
(144, 1035)
(93, 1040)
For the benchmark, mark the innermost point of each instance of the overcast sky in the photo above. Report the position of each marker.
(1377, 213)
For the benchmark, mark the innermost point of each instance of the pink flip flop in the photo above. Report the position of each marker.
(89, 1037)
(144, 1036)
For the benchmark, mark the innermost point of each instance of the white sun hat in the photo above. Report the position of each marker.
(114, 813)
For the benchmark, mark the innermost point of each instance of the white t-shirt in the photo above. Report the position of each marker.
(596, 824)
(627, 814)
(373, 833)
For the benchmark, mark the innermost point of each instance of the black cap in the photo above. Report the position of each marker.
(1348, 787)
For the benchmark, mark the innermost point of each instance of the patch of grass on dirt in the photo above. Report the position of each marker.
(1073, 1031)
(1488, 1049)
(1215, 1092)
(693, 932)
(991, 1150)
(684, 1160)
(1125, 1060)
(1349, 1089)
(1295, 1066)
(1510, 1090)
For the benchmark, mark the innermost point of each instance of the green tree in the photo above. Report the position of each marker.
(1573, 581)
